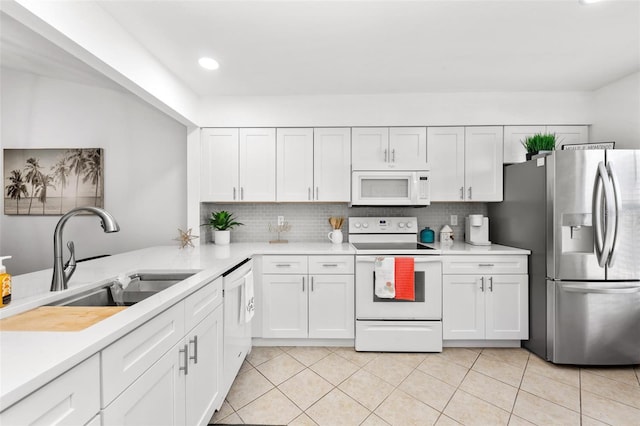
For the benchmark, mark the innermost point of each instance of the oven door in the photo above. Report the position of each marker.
(428, 291)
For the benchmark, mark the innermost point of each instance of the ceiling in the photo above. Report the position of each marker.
(363, 47)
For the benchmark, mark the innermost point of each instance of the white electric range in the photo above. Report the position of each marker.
(392, 325)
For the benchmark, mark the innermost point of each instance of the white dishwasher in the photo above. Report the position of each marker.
(238, 303)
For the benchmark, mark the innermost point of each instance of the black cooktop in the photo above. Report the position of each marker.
(391, 246)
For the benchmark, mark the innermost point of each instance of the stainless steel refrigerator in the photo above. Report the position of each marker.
(579, 214)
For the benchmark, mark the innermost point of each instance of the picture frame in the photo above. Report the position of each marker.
(52, 181)
(590, 145)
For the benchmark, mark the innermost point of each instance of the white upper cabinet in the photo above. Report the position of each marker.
(569, 134)
(395, 148)
(257, 165)
(514, 152)
(219, 165)
(332, 164)
(445, 153)
(466, 163)
(238, 165)
(295, 164)
(314, 164)
(483, 163)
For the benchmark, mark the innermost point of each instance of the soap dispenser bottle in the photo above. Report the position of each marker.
(5, 283)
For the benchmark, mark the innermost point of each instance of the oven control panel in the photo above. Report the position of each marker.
(383, 225)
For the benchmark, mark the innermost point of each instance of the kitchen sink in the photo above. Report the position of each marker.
(141, 286)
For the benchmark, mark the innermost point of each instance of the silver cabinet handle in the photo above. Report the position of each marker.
(195, 349)
(481, 283)
(486, 264)
(283, 265)
(303, 284)
(311, 283)
(470, 193)
(490, 284)
(234, 193)
(385, 155)
(317, 193)
(242, 192)
(327, 265)
(185, 352)
(309, 193)
(393, 155)
(462, 192)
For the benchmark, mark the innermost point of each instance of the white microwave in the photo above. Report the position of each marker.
(390, 188)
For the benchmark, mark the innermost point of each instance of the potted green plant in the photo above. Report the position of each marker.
(222, 222)
(540, 142)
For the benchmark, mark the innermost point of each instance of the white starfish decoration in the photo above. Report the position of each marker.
(185, 238)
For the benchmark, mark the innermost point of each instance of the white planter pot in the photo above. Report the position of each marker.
(222, 238)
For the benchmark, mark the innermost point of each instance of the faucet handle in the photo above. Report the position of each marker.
(70, 266)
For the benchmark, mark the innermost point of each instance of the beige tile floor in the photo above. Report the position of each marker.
(338, 386)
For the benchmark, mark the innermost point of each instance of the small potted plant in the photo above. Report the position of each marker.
(222, 222)
(540, 142)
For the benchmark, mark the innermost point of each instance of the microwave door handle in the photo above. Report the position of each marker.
(617, 194)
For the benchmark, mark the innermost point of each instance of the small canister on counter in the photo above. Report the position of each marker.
(427, 235)
(446, 234)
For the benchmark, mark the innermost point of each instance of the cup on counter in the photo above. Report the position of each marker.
(336, 236)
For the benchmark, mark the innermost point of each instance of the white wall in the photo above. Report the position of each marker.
(433, 109)
(616, 113)
(145, 166)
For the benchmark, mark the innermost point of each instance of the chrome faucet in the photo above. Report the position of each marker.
(62, 272)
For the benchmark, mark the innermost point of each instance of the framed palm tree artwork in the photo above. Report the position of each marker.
(52, 181)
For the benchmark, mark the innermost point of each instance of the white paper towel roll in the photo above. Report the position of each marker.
(476, 219)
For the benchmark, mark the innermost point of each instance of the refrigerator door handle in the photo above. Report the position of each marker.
(601, 290)
(603, 189)
(617, 195)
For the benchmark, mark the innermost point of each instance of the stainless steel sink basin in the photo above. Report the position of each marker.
(142, 285)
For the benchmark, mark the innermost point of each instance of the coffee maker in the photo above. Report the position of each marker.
(477, 230)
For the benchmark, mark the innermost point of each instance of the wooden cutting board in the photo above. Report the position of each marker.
(59, 318)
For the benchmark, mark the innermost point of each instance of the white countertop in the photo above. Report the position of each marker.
(29, 360)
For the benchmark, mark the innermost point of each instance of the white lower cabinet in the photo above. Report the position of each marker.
(71, 399)
(178, 385)
(482, 303)
(308, 305)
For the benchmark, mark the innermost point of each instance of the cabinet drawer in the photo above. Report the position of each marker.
(201, 303)
(331, 264)
(284, 264)
(126, 359)
(71, 399)
(508, 264)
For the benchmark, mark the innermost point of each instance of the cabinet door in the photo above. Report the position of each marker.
(284, 305)
(483, 163)
(507, 307)
(462, 307)
(257, 165)
(219, 165)
(204, 381)
(294, 165)
(331, 307)
(332, 164)
(370, 148)
(156, 398)
(445, 155)
(569, 134)
(513, 150)
(71, 399)
(408, 148)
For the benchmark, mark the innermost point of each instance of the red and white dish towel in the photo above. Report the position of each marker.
(394, 278)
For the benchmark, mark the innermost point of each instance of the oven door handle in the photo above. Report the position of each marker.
(372, 259)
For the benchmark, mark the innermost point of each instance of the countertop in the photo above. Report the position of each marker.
(29, 360)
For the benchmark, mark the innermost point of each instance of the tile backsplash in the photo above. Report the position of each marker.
(309, 221)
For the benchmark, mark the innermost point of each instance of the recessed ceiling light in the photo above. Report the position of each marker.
(589, 1)
(209, 63)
